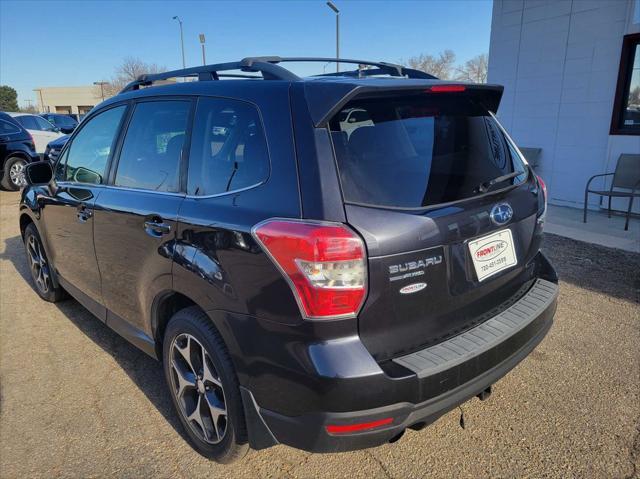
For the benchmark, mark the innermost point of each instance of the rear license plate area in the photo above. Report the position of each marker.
(492, 253)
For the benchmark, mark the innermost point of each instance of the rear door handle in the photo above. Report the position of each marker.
(156, 227)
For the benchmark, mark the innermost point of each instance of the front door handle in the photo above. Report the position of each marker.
(83, 213)
(156, 227)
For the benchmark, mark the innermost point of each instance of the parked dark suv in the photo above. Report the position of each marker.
(16, 151)
(319, 262)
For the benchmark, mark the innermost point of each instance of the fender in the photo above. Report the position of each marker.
(31, 208)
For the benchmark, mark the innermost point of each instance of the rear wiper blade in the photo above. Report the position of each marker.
(487, 185)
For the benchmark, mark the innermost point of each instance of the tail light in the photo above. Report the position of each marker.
(543, 187)
(324, 263)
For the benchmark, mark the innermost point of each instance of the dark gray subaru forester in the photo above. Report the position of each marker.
(319, 262)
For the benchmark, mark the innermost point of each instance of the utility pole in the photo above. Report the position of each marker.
(181, 40)
(333, 7)
(202, 40)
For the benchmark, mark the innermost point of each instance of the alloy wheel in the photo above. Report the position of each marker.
(38, 265)
(198, 389)
(16, 173)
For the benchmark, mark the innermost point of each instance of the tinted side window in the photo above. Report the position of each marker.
(87, 156)
(28, 122)
(7, 128)
(152, 148)
(43, 124)
(228, 148)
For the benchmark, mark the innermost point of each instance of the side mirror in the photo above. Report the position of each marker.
(38, 173)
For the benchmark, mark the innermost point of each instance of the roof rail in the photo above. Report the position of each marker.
(384, 67)
(408, 72)
(270, 70)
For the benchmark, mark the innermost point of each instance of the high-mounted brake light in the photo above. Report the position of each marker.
(362, 426)
(446, 88)
(324, 263)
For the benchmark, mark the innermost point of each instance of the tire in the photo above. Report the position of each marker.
(13, 176)
(40, 267)
(218, 429)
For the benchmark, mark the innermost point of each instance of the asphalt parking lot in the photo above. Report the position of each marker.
(76, 400)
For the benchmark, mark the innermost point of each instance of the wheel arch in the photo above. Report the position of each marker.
(25, 220)
(164, 306)
(16, 153)
(169, 302)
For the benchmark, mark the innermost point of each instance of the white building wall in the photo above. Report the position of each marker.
(558, 61)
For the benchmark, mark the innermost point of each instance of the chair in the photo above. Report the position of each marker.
(626, 176)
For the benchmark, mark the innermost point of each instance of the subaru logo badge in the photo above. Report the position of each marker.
(501, 213)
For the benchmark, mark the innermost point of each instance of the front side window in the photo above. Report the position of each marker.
(626, 110)
(152, 148)
(44, 125)
(228, 148)
(87, 156)
(420, 150)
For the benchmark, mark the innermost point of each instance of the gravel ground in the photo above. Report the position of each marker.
(79, 401)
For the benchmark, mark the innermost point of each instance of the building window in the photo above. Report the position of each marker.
(626, 106)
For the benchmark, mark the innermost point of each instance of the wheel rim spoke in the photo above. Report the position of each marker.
(185, 352)
(186, 379)
(216, 412)
(198, 389)
(38, 264)
(196, 416)
(16, 173)
(208, 374)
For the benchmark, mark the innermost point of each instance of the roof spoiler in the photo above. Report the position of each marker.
(327, 99)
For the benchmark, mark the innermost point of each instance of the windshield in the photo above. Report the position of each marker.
(418, 151)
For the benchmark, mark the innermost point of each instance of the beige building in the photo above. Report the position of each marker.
(67, 99)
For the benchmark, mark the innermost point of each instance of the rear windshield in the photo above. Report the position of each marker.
(419, 151)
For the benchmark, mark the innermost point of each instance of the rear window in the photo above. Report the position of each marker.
(419, 151)
(7, 128)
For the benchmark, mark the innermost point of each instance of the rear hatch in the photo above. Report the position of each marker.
(446, 206)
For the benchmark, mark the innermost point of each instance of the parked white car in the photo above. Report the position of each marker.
(40, 129)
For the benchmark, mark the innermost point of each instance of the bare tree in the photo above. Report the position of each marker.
(634, 96)
(130, 69)
(474, 70)
(440, 66)
(29, 108)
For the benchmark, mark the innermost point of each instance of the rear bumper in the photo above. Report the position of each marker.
(441, 378)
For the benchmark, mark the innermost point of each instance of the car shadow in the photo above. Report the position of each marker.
(609, 271)
(145, 372)
(604, 270)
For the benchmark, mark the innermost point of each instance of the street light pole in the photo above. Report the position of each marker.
(181, 40)
(333, 7)
(202, 40)
(102, 84)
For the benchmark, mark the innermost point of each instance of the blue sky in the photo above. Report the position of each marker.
(55, 43)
